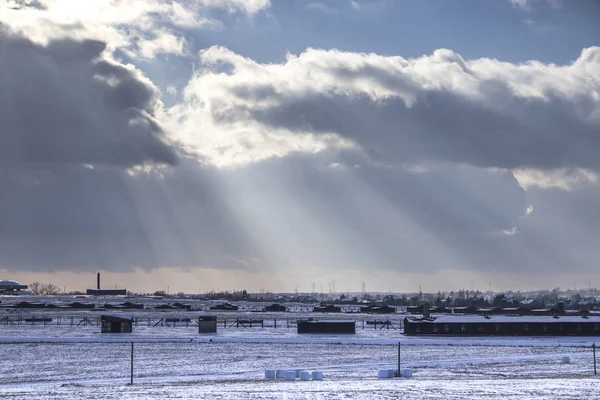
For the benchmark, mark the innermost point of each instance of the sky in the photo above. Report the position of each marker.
(282, 145)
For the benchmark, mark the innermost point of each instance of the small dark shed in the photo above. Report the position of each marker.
(414, 309)
(207, 324)
(330, 327)
(275, 308)
(378, 309)
(327, 308)
(225, 307)
(115, 324)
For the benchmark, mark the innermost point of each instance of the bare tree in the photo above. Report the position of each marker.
(35, 287)
(49, 289)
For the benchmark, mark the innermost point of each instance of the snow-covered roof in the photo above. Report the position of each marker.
(8, 283)
(497, 319)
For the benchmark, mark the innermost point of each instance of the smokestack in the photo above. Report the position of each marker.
(98, 279)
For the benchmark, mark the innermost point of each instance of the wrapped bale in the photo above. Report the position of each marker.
(304, 376)
(290, 375)
(270, 373)
(317, 375)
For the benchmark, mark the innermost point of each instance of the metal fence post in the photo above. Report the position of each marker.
(399, 373)
(131, 374)
(594, 350)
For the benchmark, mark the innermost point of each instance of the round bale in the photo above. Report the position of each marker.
(280, 374)
(317, 375)
(383, 373)
(304, 376)
(290, 375)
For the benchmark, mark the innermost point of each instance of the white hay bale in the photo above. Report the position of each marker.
(298, 370)
(565, 360)
(280, 374)
(383, 373)
(304, 376)
(270, 373)
(290, 375)
(317, 375)
(407, 373)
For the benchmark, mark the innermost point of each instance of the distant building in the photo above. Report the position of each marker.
(11, 287)
(327, 308)
(105, 292)
(332, 327)
(275, 308)
(503, 325)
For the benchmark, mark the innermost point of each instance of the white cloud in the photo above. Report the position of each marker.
(163, 43)
(528, 5)
(435, 108)
(529, 210)
(248, 6)
(563, 178)
(321, 7)
(367, 5)
(118, 22)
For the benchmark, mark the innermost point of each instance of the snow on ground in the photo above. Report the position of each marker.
(68, 362)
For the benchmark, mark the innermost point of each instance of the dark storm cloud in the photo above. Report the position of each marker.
(445, 127)
(82, 219)
(62, 104)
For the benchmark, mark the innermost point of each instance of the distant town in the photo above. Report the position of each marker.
(569, 299)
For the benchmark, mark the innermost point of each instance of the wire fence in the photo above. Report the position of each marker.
(122, 362)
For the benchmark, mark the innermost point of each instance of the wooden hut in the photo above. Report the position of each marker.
(275, 308)
(327, 308)
(225, 307)
(207, 324)
(116, 324)
(378, 309)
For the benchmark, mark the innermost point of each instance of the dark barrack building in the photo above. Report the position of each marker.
(333, 327)
(503, 325)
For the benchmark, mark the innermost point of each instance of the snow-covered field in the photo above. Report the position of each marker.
(64, 362)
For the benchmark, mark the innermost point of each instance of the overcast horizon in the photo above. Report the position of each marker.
(279, 144)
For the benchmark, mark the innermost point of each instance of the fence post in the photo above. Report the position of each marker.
(399, 373)
(131, 373)
(275, 321)
(594, 350)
